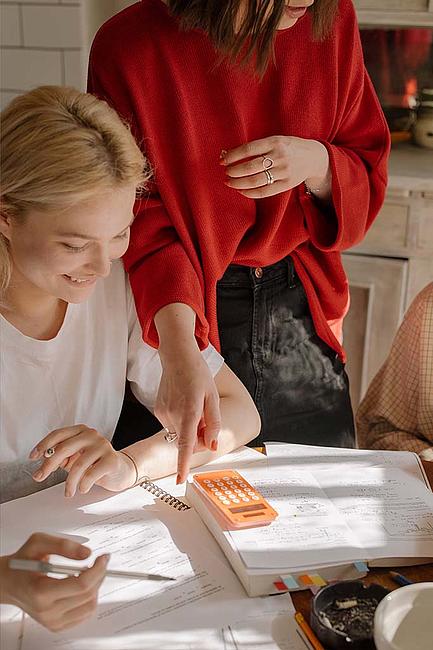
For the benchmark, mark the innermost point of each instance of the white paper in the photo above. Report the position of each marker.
(309, 527)
(315, 458)
(274, 629)
(141, 535)
(390, 512)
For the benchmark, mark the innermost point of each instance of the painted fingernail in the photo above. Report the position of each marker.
(214, 445)
(38, 475)
(106, 558)
(178, 479)
(223, 154)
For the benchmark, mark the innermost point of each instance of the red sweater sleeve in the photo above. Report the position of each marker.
(358, 152)
(156, 250)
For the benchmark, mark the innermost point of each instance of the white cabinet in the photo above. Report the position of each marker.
(395, 13)
(390, 266)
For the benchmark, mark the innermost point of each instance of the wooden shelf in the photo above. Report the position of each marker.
(368, 18)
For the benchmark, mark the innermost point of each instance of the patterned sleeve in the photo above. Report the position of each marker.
(397, 411)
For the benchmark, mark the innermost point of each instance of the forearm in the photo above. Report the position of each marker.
(175, 324)
(319, 184)
(157, 458)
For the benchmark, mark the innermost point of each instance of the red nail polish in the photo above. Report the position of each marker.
(178, 479)
(214, 445)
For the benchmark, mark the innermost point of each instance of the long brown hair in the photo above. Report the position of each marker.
(252, 35)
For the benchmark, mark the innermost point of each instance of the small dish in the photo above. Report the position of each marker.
(342, 614)
(403, 620)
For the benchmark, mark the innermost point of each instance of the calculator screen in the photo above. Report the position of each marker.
(256, 506)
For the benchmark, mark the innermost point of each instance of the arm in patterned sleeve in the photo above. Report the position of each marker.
(397, 411)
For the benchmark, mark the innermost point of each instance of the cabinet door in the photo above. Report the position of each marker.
(377, 291)
(393, 5)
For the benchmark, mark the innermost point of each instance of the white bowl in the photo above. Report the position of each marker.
(404, 619)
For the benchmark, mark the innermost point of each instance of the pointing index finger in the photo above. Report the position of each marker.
(186, 442)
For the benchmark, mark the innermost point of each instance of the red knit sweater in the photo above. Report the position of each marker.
(185, 106)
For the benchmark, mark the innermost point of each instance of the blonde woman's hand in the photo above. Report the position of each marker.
(87, 456)
(276, 164)
(56, 604)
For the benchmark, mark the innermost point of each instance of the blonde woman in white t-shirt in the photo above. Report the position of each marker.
(69, 332)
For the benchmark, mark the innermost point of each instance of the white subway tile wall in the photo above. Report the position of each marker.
(41, 42)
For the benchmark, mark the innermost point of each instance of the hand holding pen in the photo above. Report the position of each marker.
(56, 604)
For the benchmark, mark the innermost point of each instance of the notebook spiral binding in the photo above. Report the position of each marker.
(159, 493)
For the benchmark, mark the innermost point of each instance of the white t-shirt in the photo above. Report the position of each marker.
(76, 378)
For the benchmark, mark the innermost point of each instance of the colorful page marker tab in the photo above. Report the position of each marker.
(280, 586)
(361, 566)
(290, 582)
(305, 580)
(318, 580)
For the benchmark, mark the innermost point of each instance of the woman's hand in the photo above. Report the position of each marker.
(276, 164)
(188, 403)
(56, 604)
(87, 456)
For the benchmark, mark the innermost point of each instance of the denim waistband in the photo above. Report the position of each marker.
(237, 274)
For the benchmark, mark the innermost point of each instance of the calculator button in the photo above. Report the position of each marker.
(237, 491)
(256, 498)
(241, 494)
(212, 489)
(222, 498)
(226, 478)
(226, 502)
(206, 480)
(245, 499)
(217, 493)
(236, 500)
(244, 485)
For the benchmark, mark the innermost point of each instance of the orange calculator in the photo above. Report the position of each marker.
(232, 500)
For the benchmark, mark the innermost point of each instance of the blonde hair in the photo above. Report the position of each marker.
(60, 147)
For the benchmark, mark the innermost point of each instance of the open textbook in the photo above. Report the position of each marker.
(338, 508)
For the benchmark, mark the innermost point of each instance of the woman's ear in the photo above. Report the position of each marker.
(5, 224)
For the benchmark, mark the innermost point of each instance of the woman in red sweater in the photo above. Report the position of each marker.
(269, 151)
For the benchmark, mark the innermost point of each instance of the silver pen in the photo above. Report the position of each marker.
(69, 570)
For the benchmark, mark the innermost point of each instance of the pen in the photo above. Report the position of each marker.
(303, 638)
(68, 570)
(308, 631)
(399, 579)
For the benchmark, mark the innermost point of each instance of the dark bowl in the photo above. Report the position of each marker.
(330, 637)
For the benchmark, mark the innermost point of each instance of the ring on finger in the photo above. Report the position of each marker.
(267, 162)
(49, 452)
(170, 436)
(269, 177)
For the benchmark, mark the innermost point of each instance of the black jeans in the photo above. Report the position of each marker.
(268, 339)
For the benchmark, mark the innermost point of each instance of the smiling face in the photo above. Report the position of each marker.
(62, 255)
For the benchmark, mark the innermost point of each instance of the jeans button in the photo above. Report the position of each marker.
(258, 272)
